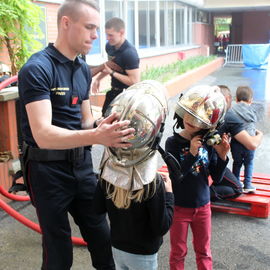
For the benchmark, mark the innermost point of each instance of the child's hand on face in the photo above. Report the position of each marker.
(224, 147)
(195, 144)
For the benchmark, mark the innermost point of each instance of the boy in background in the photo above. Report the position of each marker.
(241, 155)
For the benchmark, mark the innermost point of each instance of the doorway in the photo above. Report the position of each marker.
(222, 33)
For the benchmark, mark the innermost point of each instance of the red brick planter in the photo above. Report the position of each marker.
(182, 82)
(97, 99)
(5, 177)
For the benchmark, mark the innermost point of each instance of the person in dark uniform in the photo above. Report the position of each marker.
(230, 186)
(124, 54)
(58, 129)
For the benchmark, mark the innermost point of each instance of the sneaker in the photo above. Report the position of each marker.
(249, 189)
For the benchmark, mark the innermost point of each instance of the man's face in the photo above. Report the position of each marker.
(82, 32)
(114, 38)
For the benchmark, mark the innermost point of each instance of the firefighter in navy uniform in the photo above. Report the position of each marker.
(126, 58)
(58, 128)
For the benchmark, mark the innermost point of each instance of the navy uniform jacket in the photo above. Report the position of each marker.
(232, 124)
(48, 74)
(126, 57)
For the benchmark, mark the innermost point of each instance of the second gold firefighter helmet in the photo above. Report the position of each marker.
(206, 104)
(144, 104)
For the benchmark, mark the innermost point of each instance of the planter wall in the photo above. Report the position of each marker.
(5, 177)
(8, 135)
(182, 82)
(97, 99)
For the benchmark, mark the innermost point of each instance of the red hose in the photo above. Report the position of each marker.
(8, 81)
(28, 223)
(13, 196)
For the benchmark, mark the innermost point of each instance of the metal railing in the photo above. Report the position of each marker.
(234, 54)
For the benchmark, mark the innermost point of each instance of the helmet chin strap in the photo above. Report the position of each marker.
(174, 168)
(173, 165)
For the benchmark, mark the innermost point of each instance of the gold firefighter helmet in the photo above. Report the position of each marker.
(144, 104)
(206, 104)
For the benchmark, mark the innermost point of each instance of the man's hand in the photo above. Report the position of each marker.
(107, 69)
(114, 133)
(112, 65)
(95, 86)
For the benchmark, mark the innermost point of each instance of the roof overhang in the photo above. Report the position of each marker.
(236, 5)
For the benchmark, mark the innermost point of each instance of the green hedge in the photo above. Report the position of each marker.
(168, 72)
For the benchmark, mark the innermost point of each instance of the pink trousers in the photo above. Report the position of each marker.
(199, 220)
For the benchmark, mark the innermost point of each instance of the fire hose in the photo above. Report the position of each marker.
(8, 81)
(22, 219)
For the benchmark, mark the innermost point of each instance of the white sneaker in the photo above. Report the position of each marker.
(249, 189)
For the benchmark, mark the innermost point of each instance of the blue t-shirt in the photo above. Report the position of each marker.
(48, 74)
(126, 57)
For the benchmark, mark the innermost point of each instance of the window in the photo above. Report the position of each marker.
(112, 9)
(179, 24)
(189, 25)
(143, 23)
(130, 22)
(147, 24)
(151, 23)
(162, 25)
(171, 24)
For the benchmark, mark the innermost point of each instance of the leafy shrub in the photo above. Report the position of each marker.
(168, 72)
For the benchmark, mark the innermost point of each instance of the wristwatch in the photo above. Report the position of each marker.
(112, 73)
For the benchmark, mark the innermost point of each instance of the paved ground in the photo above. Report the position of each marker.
(238, 242)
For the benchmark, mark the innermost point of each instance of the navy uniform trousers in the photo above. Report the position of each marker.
(61, 187)
(229, 187)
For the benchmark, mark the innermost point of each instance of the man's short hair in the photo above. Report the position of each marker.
(225, 90)
(71, 8)
(244, 93)
(116, 23)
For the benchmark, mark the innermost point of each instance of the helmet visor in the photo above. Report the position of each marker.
(206, 105)
(144, 124)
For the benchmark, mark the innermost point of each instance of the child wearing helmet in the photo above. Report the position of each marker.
(198, 112)
(138, 200)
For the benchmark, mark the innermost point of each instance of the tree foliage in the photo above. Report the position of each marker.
(19, 30)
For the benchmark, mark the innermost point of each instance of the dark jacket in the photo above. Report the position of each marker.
(138, 229)
(192, 190)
